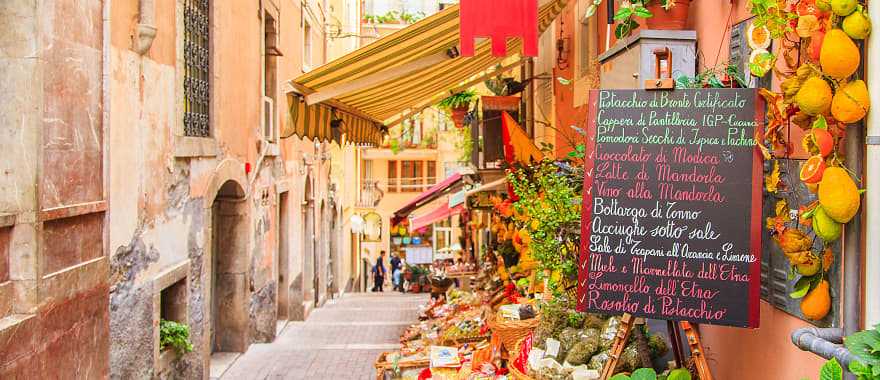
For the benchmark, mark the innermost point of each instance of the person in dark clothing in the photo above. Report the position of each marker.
(395, 266)
(379, 273)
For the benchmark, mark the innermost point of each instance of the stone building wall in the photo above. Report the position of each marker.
(204, 212)
(112, 219)
(53, 266)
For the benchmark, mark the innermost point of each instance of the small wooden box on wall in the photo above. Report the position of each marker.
(631, 61)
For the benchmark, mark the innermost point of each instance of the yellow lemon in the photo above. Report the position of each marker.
(838, 195)
(814, 96)
(826, 228)
(857, 25)
(840, 56)
(851, 102)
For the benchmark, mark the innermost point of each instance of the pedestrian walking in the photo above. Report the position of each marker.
(395, 271)
(379, 273)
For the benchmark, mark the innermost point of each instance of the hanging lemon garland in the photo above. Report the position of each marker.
(822, 95)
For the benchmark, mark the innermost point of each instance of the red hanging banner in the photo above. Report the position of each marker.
(499, 20)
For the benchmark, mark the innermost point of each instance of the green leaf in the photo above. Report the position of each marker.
(684, 81)
(643, 12)
(714, 82)
(623, 14)
(860, 369)
(831, 370)
(679, 374)
(620, 376)
(865, 345)
(644, 374)
(820, 123)
(801, 288)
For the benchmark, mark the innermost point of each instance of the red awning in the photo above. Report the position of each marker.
(438, 214)
(426, 197)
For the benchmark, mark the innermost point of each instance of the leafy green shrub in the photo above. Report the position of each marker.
(175, 335)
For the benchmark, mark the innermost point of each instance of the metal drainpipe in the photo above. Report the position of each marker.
(826, 343)
(852, 242)
(146, 27)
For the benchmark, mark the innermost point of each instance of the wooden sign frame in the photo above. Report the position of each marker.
(628, 321)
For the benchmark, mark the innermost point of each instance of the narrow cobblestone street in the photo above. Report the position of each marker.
(338, 341)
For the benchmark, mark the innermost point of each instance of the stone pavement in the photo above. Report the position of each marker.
(339, 341)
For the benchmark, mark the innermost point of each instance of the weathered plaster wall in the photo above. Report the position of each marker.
(161, 202)
(164, 203)
(53, 280)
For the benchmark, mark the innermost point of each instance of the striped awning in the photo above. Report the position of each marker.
(439, 213)
(315, 122)
(408, 68)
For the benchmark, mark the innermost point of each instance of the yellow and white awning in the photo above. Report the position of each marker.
(315, 122)
(406, 70)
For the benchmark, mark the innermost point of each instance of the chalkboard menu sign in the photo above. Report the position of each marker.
(672, 206)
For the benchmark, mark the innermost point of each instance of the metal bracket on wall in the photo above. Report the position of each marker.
(872, 140)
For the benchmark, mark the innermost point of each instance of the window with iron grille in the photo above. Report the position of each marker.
(197, 63)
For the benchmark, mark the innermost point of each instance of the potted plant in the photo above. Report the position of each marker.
(658, 14)
(174, 337)
(726, 75)
(458, 105)
(667, 14)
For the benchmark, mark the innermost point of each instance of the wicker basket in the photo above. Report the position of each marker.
(511, 332)
(382, 364)
(514, 372)
(460, 341)
(440, 285)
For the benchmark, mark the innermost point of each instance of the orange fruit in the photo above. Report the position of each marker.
(839, 195)
(817, 303)
(851, 102)
(812, 170)
(758, 37)
(823, 140)
(840, 57)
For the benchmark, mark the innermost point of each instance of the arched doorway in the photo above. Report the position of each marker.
(229, 318)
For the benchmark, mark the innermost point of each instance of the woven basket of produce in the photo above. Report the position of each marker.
(383, 364)
(514, 371)
(512, 331)
(440, 284)
(463, 340)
